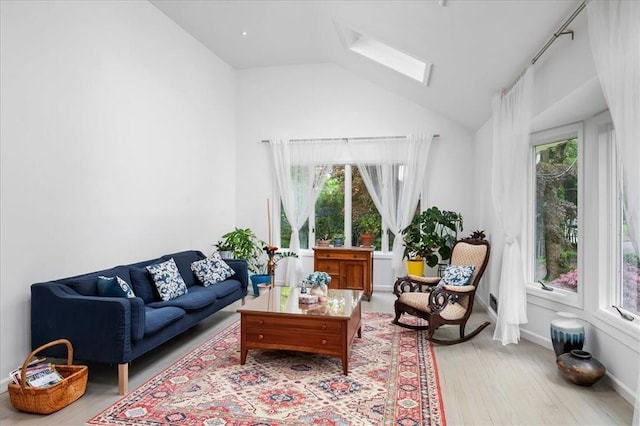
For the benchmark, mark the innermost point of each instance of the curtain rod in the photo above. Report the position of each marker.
(561, 31)
(347, 139)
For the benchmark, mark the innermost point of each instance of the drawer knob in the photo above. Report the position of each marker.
(261, 322)
(260, 336)
(324, 326)
(324, 341)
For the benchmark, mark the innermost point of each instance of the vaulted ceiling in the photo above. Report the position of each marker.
(477, 47)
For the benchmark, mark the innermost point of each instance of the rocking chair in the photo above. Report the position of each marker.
(446, 300)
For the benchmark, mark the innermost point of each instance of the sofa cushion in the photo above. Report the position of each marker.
(183, 260)
(157, 318)
(221, 289)
(191, 301)
(143, 285)
(168, 280)
(212, 270)
(87, 284)
(114, 287)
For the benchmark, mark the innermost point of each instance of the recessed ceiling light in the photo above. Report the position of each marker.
(244, 34)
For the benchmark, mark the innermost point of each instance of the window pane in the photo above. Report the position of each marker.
(556, 233)
(630, 273)
(365, 216)
(330, 206)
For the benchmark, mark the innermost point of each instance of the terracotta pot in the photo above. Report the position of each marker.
(324, 243)
(366, 240)
(580, 367)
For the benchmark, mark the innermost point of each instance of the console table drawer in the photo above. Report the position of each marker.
(343, 256)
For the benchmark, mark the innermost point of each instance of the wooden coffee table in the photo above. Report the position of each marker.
(276, 320)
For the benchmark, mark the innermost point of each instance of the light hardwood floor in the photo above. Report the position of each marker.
(483, 382)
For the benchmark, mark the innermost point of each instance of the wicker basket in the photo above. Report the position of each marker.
(46, 400)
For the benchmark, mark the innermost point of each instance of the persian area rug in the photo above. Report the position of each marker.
(393, 380)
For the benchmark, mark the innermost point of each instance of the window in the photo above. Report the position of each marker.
(344, 195)
(555, 221)
(556, 214)
(364, 215)
(629, 288)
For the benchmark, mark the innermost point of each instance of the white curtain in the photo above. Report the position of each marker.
(301, 170)
(614, 31)
(512, 114)
(393, 171)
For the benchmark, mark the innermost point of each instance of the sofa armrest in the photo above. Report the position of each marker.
(241, 268)
(99, 328)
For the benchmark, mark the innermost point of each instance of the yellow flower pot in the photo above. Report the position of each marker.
(415, 267)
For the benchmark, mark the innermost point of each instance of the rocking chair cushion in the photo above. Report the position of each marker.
(416, 300)
(428, 280)
(420, 302)
(460, 288)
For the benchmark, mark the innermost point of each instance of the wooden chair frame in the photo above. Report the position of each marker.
(439, 297)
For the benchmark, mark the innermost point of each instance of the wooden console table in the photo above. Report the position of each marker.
(351, 268)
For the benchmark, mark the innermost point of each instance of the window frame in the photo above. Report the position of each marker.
(563, 297)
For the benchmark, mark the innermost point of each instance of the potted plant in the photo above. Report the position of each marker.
(244, 244)
(338, 240)
(430, 238)
(225, 250)
(324, 240)
(367, 226)
(259, 255)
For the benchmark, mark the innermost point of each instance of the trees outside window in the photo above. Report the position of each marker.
(556, 213)
(630, 276)
(328, 219)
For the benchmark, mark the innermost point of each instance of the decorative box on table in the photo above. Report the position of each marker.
(307, 299)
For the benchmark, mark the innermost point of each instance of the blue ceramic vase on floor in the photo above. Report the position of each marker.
(567, 333)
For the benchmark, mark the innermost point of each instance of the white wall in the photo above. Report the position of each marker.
(566, 90)
(117, 141)
(325, 101)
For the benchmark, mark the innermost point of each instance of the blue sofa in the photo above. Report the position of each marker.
(117, 330)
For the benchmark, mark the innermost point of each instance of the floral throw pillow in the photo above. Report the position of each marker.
(457, 275)
(167, 279)
(212, 270)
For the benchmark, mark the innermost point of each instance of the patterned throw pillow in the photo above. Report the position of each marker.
(168, 279)
(212, 270)
(457, 275)
(114, 287)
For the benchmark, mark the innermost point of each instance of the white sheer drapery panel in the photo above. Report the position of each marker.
(301, 170)
(512, 116)
(380, 162)
(614, 32)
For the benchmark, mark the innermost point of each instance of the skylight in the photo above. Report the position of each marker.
(384, 54)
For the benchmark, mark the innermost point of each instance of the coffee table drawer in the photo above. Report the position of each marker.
(281, 338)
(292, 326)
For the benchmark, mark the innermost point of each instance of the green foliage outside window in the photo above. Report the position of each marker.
(557, 213)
